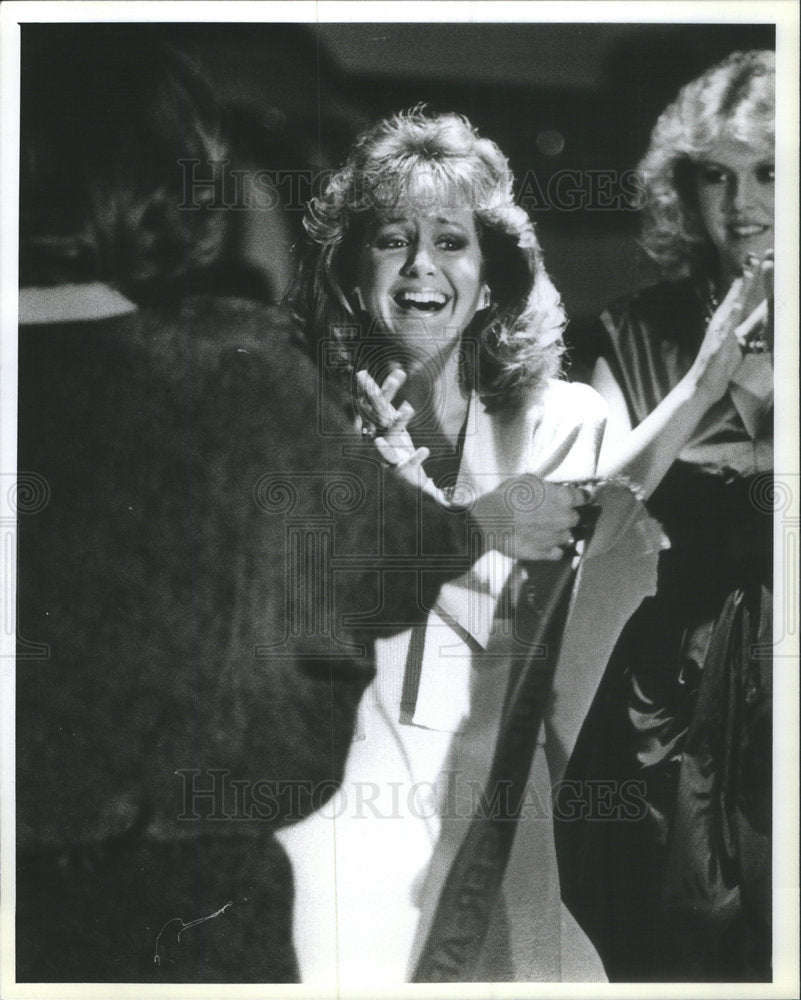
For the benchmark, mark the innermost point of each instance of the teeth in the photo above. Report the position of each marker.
(423, 298)
(748, 230)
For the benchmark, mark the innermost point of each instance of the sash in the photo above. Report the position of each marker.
(462, 917)
(628, 541)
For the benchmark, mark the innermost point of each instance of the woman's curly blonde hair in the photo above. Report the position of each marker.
(419, 160)
(736, 99)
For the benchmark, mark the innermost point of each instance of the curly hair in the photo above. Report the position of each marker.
(734, 98)
(420, 159)
(108, 114)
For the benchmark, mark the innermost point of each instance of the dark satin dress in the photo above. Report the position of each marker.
(682, 890)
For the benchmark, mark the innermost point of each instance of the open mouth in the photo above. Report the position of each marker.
(745, 230)
(425, 301)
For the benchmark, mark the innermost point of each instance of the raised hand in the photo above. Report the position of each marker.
(525, 517)
(755, 333)
(736, 319)
(386, 425)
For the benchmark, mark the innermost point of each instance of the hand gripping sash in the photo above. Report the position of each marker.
(460, 923)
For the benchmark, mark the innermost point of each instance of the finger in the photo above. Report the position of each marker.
(767, 282)
(752, 290)
(580, 496)
(386, 450)
(364, 427)
(754, 322)
(395, 447)
(392, 383)
(364, 380)
(367, 385)
(542, 540)
(403, 415)
(766, 269)
(754, 335)
(416, 459)
(729, 312)
(398, 457)
(730, 306)
(532, 553)
(368, 418)
(564, 498)
(733, 293)
(376, 399)
(391, 453)
(549, 518)
(363, 403)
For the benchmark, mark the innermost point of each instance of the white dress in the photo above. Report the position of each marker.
(370, 864)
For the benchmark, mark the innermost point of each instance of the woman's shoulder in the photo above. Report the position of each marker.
(665, 306)
(567, 430)
(574, 401)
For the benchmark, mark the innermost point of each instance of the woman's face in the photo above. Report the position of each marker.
(735, 196)
(420, 277)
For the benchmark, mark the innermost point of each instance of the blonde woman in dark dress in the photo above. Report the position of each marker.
(685, 708)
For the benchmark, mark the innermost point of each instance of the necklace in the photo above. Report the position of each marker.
(757, 343)
(710, 303)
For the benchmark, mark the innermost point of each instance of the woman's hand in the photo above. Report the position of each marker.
(741, 317)
(756, 333)
(530, 519)
(525, 517)
(380, 421)
(742, 324)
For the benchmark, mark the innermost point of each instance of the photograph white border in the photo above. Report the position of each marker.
(785, 14)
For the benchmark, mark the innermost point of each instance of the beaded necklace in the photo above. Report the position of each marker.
(758, 341)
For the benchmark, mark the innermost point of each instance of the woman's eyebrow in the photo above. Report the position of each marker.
(450, 222)
(767, 162)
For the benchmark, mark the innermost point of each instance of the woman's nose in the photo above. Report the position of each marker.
(420, 261)
(743, 192)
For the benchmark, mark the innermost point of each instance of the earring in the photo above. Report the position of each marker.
(357, 295)
(485, 298)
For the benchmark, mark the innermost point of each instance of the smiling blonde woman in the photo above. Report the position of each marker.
(685, 708)
(424, 282)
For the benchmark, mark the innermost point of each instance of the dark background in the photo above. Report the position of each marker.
(555, 97)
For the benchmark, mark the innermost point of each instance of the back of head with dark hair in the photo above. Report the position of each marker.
(108, 112)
